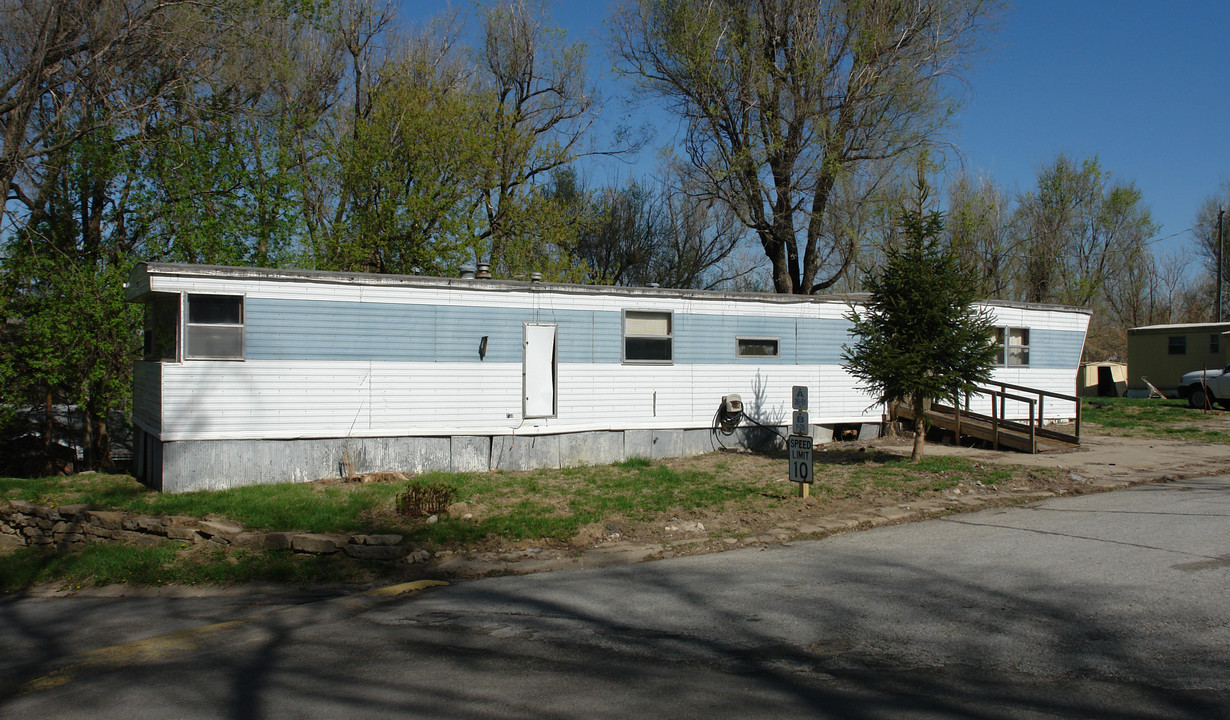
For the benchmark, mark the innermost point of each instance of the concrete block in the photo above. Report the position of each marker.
(525, 452)
(822, 433)
(697, 442)
(470, 453)
(638, 444)
(590, 448)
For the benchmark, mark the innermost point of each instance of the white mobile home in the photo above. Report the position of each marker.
(256, 376)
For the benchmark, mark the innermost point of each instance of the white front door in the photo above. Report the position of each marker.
(538, 370)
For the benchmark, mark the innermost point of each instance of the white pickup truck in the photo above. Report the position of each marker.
(1216, 384)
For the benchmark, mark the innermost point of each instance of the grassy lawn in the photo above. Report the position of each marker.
(1155, 418)
(544, 507)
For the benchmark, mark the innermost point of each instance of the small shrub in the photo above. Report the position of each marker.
(425, 498)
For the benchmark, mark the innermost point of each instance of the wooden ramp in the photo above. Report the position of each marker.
(1025, 436)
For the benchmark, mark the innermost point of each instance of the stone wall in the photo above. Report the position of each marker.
(24, 524)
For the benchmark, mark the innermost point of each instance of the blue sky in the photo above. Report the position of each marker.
(1143, 85)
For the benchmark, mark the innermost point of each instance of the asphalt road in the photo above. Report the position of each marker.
(1114, 605)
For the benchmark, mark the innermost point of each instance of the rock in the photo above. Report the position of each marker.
(11, 541)
(45, 513)
(389, 539)
(419, 556)
(72, 511)
(457, 509)
(106, 519)
(179, 532)
(139, 538)
(375, 552)
(220, 529)
(262, 541)
(315, 543)
(433, 519)
(152, 525)
(22, 506)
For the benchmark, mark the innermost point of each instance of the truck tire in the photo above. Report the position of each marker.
(1197, 398)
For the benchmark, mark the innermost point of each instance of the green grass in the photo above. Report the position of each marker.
(1142, 417)
(107, 564)
(537, 506)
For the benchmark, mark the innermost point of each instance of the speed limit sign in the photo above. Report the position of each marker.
(800, 458)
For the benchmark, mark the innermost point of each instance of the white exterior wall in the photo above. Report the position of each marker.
(214, 400)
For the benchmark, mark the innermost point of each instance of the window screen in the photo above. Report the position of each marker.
(214, 329)
(647, 336)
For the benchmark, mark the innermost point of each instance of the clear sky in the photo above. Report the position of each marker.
(1142, 84)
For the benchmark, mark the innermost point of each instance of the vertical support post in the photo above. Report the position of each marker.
(1041, 414)
(956, 412)
(994, 423)
(804, 489)
(1033, 437)
(1078, 420)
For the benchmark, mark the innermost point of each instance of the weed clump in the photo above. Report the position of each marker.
(422, 498)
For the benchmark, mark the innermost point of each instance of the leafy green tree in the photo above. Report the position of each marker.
(409, 175)
(920, 337)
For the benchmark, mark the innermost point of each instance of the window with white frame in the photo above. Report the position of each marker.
(214, 330)
(1013, 345)
(647, 337)
(757, 347)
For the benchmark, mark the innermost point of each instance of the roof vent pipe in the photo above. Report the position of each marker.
(535, 277)
(467, 272)
(484, 271)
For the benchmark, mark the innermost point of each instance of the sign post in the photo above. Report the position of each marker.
(799, 444)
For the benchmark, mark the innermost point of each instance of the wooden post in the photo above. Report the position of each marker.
(994, 422)
(804, 489)
(956, 411)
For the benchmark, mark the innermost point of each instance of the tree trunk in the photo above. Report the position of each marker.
(920, 429)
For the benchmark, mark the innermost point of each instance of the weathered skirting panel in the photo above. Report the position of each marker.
(188, 465)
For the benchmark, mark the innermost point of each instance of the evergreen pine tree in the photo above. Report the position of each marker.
(920, 336)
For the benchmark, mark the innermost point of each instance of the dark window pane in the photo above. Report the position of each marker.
(749, 347)
(653, 349)
(215, 309)
(1178, 345)
(161, 326)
